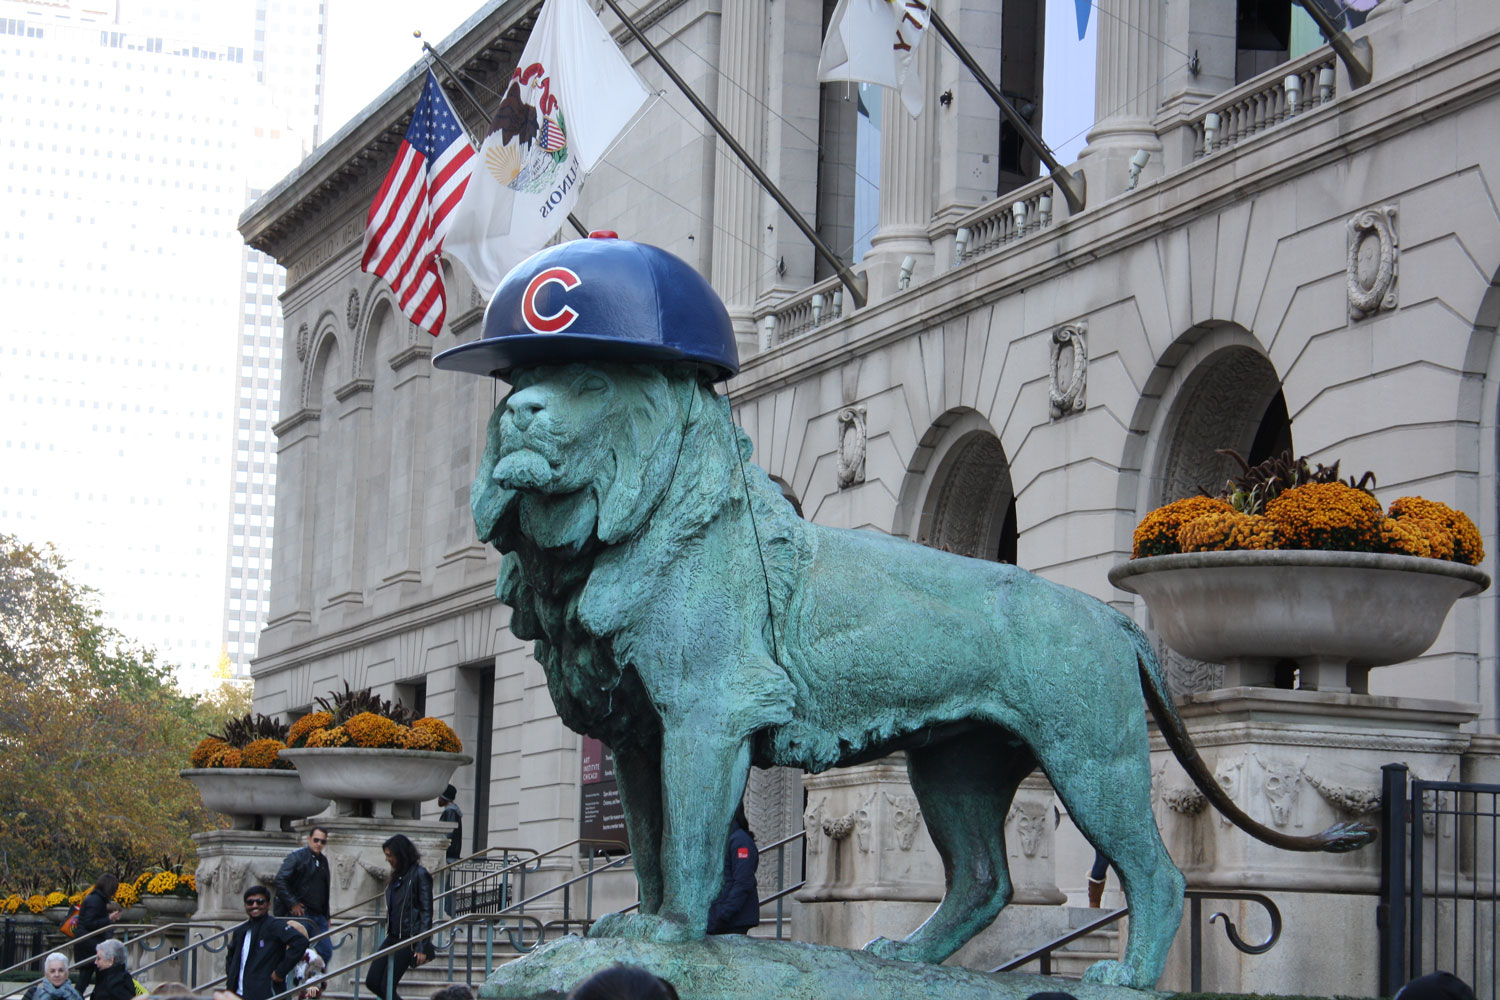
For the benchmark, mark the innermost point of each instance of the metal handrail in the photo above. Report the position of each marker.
(504, 851)
(353, 925)
(391, 949)
(147, 931)
(1195, 897)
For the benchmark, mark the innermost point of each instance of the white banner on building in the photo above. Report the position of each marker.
(873, 41)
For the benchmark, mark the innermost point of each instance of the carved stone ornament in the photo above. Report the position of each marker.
(346, 865)
(1184, 799)
(906, 817)
(812, 822)
(1067, 396)
(1346, 799)
(1228, 774)
(862, 818)
(1373, 252)
(351, 309)
(303, 336)
(1030, 818)
(379, 873)
(851, 446)
(837, 828)
(1283, 789)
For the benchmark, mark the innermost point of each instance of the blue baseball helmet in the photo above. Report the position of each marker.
(600, 299)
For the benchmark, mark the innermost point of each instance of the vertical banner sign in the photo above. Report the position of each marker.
(601, 816)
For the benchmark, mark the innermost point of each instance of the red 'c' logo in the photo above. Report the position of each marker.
(562, 319)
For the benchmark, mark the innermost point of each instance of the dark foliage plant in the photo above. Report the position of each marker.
(1259, 484)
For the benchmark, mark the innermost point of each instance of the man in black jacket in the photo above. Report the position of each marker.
(302, 888)
(262, 950)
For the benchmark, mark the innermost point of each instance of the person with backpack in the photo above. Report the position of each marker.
(94, 914)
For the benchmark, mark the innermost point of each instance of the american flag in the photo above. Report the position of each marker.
(553, 137)
(409, 217)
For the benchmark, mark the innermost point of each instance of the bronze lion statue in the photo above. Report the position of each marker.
(688, 618)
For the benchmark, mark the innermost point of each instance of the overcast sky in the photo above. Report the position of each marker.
(370, 44)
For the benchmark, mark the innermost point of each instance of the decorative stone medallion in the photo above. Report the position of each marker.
(851, 446)
(1372, 261)
(351, 309)
(1067, 395)
(303, 335)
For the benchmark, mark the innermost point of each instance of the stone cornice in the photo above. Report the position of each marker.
(1356, 121)
(290, 423)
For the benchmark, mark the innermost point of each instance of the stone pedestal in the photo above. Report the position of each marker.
(1297, 761)
(229, 862)
(872, 869)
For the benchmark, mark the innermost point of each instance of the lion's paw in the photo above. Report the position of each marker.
(642, 927)
(1110, 973)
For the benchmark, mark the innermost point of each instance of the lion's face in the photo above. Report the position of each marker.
(578, 452)
(551, 438)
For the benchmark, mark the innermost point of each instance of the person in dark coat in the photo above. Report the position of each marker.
(738, 907)
(302, 889)
(408, 907)
(115, 982)
(262, 951)
(93, 915)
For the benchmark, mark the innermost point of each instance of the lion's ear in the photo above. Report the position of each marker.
(646, 441)
(488, 500)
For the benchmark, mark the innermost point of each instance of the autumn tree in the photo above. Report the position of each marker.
(93, 730)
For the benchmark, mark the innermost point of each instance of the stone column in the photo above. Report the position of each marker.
(1205, 31)
(346, 547)
(908, 147)
(400, 574)
(737, 197)
(1127, 93)
(295, 540)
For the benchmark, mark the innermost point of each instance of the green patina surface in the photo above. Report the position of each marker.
(740, 968)
(687, 617)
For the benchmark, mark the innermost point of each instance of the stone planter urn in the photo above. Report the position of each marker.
(252, 795)
(1336, 614)
(384, 778)
(169, 909)
(57, 914)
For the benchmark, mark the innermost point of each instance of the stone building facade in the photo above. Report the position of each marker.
(1301, 263)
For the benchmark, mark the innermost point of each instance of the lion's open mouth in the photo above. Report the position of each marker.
(525, 470)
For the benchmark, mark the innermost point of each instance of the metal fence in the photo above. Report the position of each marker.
(1439, 881)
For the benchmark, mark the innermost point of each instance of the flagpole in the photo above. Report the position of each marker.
(1073, 188)
(459, 83)
(858, 285)
(1349, 51)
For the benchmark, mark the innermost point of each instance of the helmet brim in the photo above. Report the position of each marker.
(497, 356)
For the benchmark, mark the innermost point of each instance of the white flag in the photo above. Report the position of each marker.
(571, 94)
(873, 41)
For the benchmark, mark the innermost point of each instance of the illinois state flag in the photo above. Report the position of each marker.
(570, 95)
(873, 41)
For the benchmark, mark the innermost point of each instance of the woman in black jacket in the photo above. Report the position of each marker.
(115, 982)
(408, 907)
(93, 914)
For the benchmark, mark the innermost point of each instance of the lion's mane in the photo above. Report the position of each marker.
(671, 462)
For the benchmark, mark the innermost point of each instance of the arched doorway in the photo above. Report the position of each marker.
(970, 508)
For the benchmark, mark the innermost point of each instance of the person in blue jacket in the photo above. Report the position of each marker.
(738, 907)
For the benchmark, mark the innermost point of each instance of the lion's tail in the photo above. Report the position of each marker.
(1337, 838)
